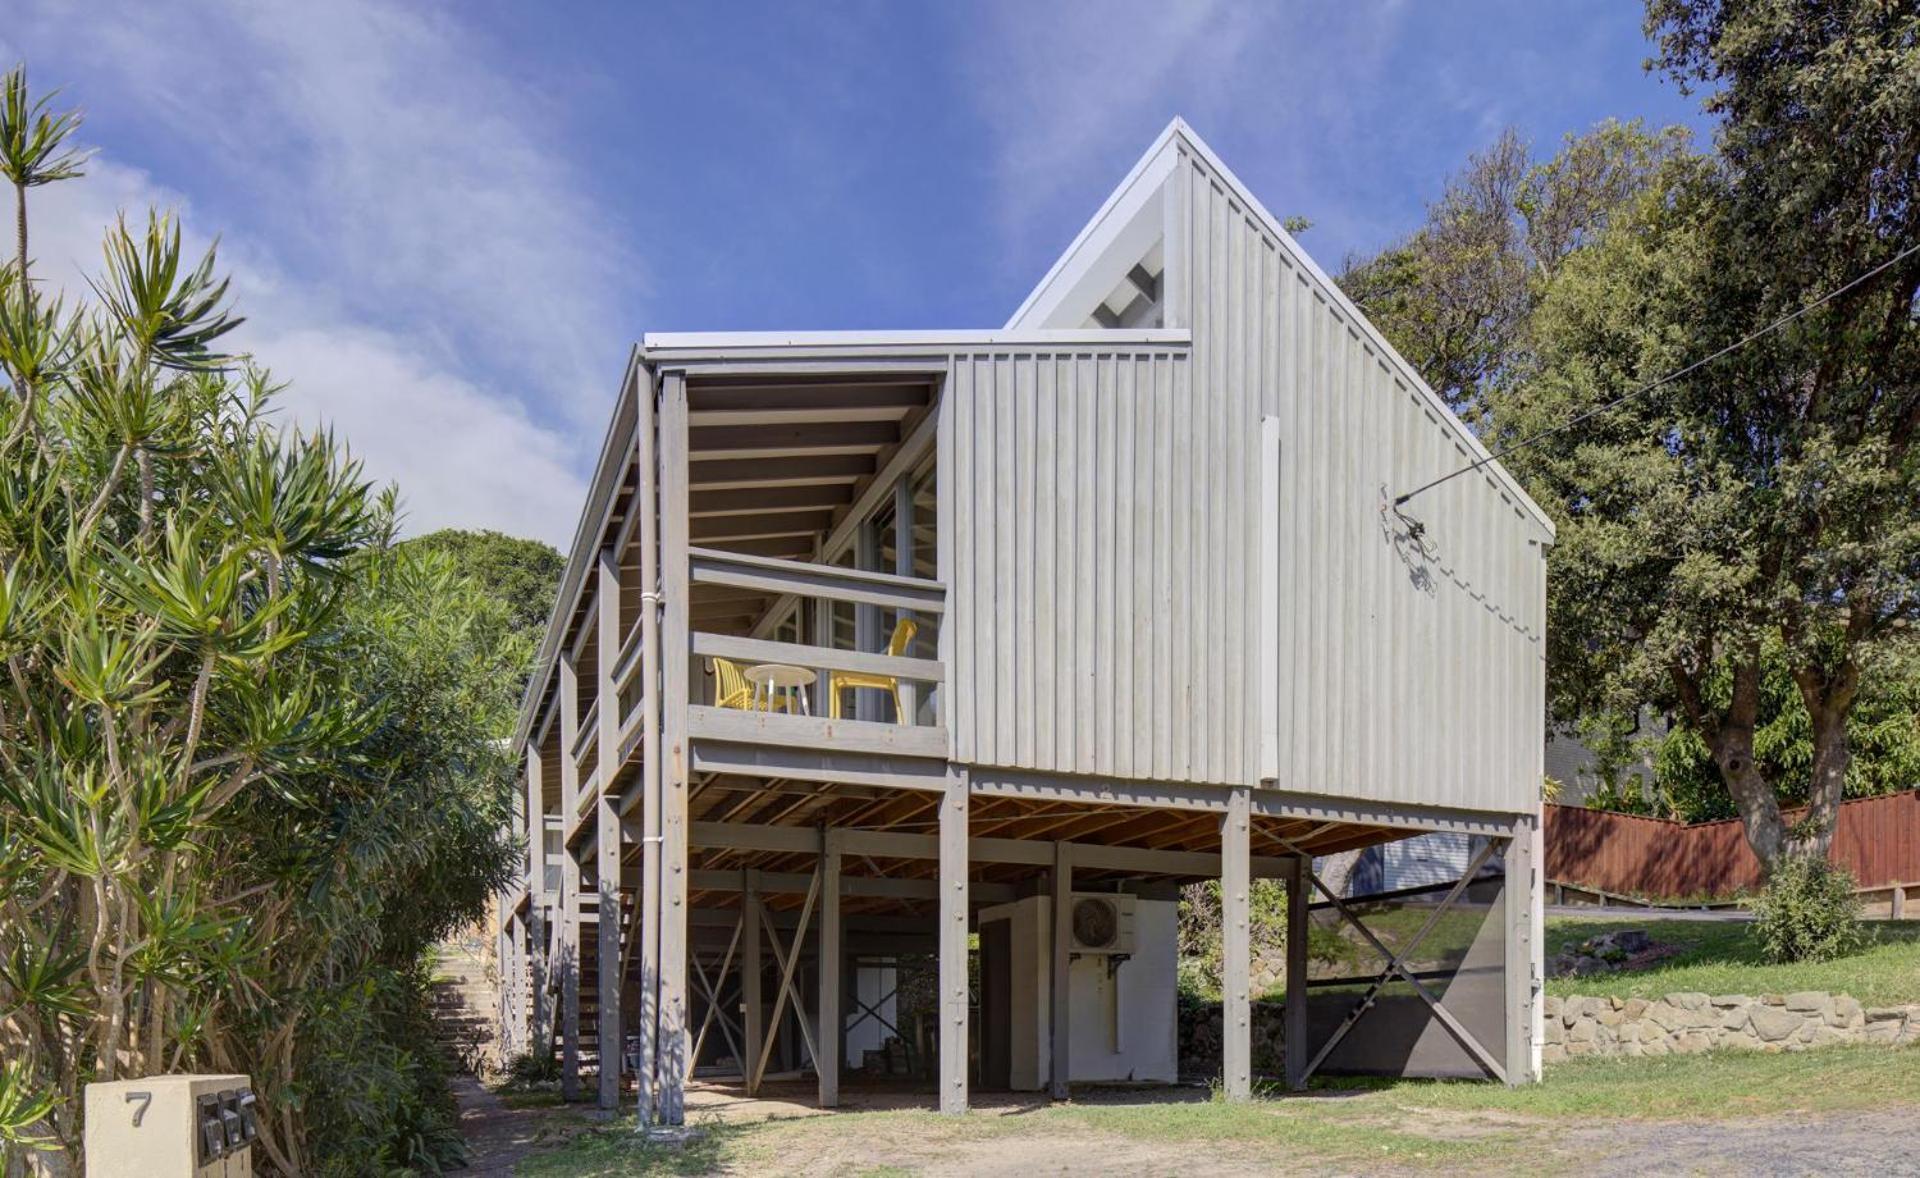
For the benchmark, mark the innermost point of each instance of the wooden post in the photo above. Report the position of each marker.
(507, 969)
(1518, 914)
(829, 1027)
(866, 618)
(1236, 933)
(538, 1038)
(650, 776)
(569, 886)
(952, 940)
(1299, 925)
(1060, 975)
(753, 1007)
(606, 806)
(1899, 908)
(908, 695)
(675, 688)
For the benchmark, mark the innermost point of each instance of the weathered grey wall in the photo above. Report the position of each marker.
(1085, 515)
(1406, 671)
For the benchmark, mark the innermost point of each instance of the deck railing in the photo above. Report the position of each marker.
(924, 600)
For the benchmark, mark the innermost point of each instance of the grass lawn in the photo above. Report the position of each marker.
(1721, 957)
(1345, 1124)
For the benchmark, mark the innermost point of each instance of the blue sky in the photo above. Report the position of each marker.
(448, 221)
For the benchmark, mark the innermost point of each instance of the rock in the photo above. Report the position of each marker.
(1580, 1032)
(1636, 1008)
(1633, 940)
(1734, 1019)
(1666, 1017)
(1883, 1014)
(1733, 1000)
(1773, 1024)
(1689, 1000)
(1810, 1002)
(1773, 1000)
(1550, 1006)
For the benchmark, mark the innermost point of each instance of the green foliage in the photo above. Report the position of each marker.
(1808, 911)
(525, 574)
(1456, 295)
(251, 755)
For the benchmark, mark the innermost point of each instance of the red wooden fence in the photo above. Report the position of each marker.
(1878, 840)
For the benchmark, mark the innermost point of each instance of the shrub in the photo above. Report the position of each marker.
(1808, 911)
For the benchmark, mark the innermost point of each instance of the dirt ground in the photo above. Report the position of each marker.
(987, 1143)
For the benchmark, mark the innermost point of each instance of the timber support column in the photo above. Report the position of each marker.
(829, 1027)
(676, 687)
(753, 1008)
(648, 925)
(606, 808)
(1236, 950)
(1299, 919)
(569, 887)
(539, 1037)
(1060, 975)
(1521, 984)
(952, 939)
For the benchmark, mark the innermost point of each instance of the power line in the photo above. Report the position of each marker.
(1669, 378)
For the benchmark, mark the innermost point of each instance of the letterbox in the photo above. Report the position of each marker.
(171, 1127)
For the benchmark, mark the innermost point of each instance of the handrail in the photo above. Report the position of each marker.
(707, 566)
(825, 658)
(589, 729)
(628, 660)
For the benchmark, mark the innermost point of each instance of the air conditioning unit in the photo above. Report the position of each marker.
(1103, 923)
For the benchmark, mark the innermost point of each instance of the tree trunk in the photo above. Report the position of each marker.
(1732, 746)
(1829, 700)
(20, 231)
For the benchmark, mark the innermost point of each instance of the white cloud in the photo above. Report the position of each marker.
(463, 457)
(413, 253)
(1073, 92)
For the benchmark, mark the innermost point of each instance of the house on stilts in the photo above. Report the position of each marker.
(899, 680)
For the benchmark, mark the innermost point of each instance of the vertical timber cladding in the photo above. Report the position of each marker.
(1100, 584)
(1411, 669)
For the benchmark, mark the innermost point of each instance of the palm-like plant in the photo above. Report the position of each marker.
(33, 148)
(247, 759)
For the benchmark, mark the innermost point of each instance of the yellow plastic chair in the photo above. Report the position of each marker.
(840, 681)
(731, 689)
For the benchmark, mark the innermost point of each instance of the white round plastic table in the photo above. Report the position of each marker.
(767, 678)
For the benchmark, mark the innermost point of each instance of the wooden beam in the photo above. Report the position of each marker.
(953, 1038)
(1236, 951)
(717, 473)
(885, 844)
(867, 770)
(793, 438)
(757, 500)
(569, 886)
(752, 1002)
(539, 1038)
(607, 835)
(646, 461)
(1299, 926)
(1521, 880)
(760, 525)
(815, 732)
(674, 591)
(830, 1030)
(1060, 974)
(839, 399)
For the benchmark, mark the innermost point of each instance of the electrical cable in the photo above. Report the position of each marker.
(1669, 378)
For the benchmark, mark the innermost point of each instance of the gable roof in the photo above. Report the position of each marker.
(1127, 224)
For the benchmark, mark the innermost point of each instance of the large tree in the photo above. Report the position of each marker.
(1769, 500)
(1456, 295)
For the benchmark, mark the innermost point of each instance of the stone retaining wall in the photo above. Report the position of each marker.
(1689, 1021)
(1576, 1026)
